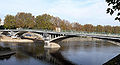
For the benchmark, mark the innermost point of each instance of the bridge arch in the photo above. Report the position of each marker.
(62, 35)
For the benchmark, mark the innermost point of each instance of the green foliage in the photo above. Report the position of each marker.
(46, 21)
(107, 29)
(21, 20)
(99, 28)
(9, 22)
(24, 20)
(43, 22)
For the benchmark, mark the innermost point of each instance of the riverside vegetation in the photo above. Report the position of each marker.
(48, 22)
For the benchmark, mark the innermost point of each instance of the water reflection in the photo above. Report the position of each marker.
(6, 53)
(6, 57)
(95, 52)
(79, 52)
(35, 50)
(52, 56)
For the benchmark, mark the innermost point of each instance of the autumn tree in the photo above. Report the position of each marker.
(63, 25)
(88, 28)
(46, 21)
(114, 6)
(43, 21)
(77, 27)
(9, 22)
(115, 29)
(99, 28)
(0, 20)
(24, 20)
(68, 25)
(55, 21)
(107, 29)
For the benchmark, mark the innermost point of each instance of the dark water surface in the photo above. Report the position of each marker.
(95, 52)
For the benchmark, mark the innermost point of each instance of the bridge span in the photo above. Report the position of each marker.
(52, 36)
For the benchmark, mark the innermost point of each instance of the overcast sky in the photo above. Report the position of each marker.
(82, 11)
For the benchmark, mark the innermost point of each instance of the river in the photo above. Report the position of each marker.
(82, 51)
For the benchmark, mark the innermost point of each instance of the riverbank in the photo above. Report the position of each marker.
(82, 39)
(4, 38)
(116, 43)
(89, 39)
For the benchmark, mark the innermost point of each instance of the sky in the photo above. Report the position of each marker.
(81, 11)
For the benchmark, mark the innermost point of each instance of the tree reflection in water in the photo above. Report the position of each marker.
(6, 53)
(52, 56)
(6, 57)
(79, 52)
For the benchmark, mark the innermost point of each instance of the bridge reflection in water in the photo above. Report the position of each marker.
(87, 52)
(5, 57)
(52, 56)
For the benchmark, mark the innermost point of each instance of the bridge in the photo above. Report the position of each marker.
(52, 36)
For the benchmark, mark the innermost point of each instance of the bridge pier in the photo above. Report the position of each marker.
(50, 37)
(1, 33)
(55, 36)
(49, 44)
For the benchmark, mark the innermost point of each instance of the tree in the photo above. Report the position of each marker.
(55, 21)
(43, 22)
(77, 26)
(88, 28)
(99, 28)
(68, 25)
(108, 29)
(63, 25)
(116, 29)
(114, 6)
(9, 22)
(24, 20)
(0, 20)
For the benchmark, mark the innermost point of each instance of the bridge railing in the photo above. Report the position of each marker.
(63, 32)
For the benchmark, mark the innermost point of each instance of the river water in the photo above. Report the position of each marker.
(72, 52)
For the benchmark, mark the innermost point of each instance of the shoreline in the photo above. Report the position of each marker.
(81, 39)
(4, 38)
(16, 40)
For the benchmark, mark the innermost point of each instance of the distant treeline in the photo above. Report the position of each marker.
(46, 21)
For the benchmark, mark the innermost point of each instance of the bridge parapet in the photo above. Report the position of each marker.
(57, 35)
(53, 32)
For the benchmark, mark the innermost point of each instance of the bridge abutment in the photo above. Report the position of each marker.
(49, 44)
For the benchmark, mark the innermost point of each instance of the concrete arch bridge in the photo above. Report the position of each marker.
(52, 36)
